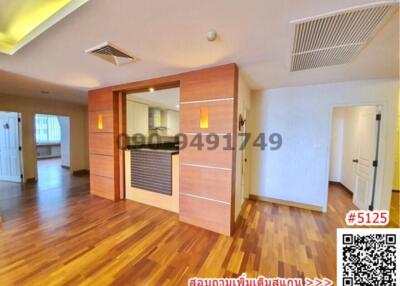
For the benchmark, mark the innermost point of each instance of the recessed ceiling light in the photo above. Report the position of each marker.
(24, 20)
(151, 89)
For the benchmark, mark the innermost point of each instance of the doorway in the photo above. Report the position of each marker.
(52, 139)
(152, 158)
(354, 152)
(10, 147)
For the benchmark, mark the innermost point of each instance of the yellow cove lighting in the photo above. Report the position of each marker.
(100, 122)
(23, 20)
(204, 118)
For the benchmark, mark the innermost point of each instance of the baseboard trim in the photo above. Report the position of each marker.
(287, 203)
(82, 172)
(48, 157)
(30, 180)
(341, 185)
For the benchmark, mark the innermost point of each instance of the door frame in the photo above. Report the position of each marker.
(383, 109)
(34, 138)
(20, 143)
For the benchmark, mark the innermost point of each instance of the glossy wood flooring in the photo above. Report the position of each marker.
(64, 236)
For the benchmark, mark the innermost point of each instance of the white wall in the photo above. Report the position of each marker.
(172, 122)
(299, 171)
(336, 152)
(65, 140)
(350, 117)
(241, 188)
(137, 118)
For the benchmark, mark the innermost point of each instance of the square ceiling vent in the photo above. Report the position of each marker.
(111, 53)
(338, 37)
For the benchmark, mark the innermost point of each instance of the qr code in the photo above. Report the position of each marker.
(367, 257)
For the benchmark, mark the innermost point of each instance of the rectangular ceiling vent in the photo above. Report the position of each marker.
(111, 53)
(338, 37)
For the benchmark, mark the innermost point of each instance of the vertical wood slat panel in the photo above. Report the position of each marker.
(101, 99)
(214, 158)
(199, 89)
(107, 118)
(220, 116)
(102, 186)
(103, 143)
(204, 182)
(206, 84)
(205, 213)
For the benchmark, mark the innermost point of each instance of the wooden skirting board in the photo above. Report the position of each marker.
(288, 203)
(80, 172)
(31, 180)
(340, 184)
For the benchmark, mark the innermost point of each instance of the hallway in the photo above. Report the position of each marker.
(51, 174)
(54, 185)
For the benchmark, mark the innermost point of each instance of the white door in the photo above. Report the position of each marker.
(10, 166)
(366, 138)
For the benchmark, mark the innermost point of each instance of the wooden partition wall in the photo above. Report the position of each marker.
(103, 143)
(207, 192)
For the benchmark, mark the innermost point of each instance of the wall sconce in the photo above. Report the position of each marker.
(242, 122)
(204, 118)
(100, 121)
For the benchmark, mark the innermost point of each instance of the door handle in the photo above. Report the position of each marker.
(355, 160)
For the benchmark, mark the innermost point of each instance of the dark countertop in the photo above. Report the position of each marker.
(163, 147)
(166, 151)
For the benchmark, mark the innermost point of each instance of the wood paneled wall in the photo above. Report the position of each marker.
(206, 176)
(103, 143)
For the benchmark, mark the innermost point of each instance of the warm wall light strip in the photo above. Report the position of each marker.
(100, 122)
(205, 166)
(204, 118)
(204, 198)
(207, 133)
(207, 100)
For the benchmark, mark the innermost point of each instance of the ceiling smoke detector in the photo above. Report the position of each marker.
(211, 35)
(337, 37)
(111, 53)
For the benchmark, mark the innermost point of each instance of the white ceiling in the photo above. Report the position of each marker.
(169, 37)
(164, 98)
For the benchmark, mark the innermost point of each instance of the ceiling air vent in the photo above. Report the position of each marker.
(110, 53)
(336, 38)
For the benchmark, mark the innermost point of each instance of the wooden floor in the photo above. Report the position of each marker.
(64, 236)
